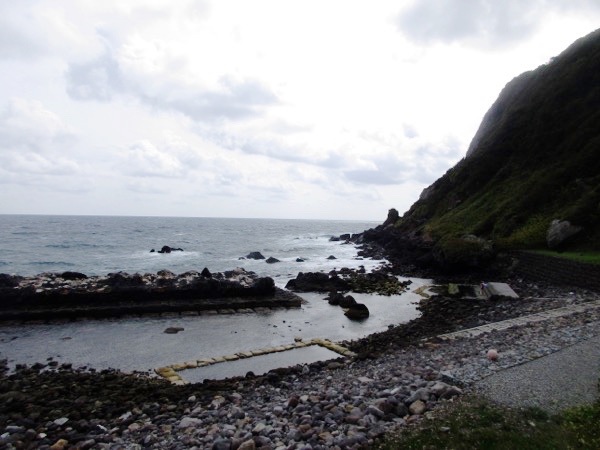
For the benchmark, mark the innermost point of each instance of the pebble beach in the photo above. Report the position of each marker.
(399, 376)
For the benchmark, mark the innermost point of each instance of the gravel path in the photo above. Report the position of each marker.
(554, 382)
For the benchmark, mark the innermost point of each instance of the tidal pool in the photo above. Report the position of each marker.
(140, 343)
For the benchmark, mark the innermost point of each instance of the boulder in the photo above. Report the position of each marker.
(417, 408)
(255, 255)
(358, 311)
(346, 302)
(206, 273)
(331, 257)
(317, 282)
(560, 231)
(272, 260)
(9, 281)
(73, 276)
(173, 330)
(334, 298)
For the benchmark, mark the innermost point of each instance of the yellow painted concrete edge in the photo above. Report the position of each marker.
(170, 372)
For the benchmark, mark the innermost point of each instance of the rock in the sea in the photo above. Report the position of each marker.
(255, 255)
(167, 249)
(357, 312)
(560, 231)
(331, 257)
(272, 260)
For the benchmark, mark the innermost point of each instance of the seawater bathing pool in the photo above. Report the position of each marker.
(141, 344)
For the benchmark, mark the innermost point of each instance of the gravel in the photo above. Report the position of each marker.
(398, 378)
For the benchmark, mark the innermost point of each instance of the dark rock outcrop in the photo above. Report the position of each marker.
(255, 255)
(272, 260)
(358, 311)
(316, 282)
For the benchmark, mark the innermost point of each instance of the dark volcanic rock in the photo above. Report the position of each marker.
(357, 311)
(48, 296)
(167, 249)
(272, 260)
(316, 282)
(255, 255)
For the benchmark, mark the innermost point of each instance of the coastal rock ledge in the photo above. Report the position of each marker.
(71, 294)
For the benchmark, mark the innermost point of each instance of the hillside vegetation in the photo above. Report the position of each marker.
(534, 159)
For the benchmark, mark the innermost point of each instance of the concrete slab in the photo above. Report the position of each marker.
(501, 290)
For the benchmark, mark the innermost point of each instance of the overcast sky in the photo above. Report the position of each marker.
(235, 108)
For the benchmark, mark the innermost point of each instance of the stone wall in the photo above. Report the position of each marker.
(557, 270)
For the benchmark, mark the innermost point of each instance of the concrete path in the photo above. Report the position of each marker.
(554, 382)
(523, 320)
(566, 378)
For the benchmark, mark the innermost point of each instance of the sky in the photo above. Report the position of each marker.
(330, 109)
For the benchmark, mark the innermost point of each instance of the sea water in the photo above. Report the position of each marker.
(100, 245)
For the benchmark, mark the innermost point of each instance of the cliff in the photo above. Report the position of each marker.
(534, 160)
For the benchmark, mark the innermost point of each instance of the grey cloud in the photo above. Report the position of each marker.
(18, 30)
(28, 126)
(237, 101)
(485, 23)
(95, 80)
(103, 78)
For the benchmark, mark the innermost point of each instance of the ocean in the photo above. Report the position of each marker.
(98, 245)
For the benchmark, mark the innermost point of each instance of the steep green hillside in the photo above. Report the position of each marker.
(535, 158)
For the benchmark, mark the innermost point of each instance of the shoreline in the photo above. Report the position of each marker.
(366, 397)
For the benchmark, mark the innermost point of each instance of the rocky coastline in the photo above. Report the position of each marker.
(398, 377)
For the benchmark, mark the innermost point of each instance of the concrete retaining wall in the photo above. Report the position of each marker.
(557, 270)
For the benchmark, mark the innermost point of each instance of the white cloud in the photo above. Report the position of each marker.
(292, 109)
(482, 23)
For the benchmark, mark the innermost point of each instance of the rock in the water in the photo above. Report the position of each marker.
(347, 302)
(560, 231)
(357, 312)
(255, 255)
(272, 260)
(167, 249)
(331, 257)
(173, 330)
